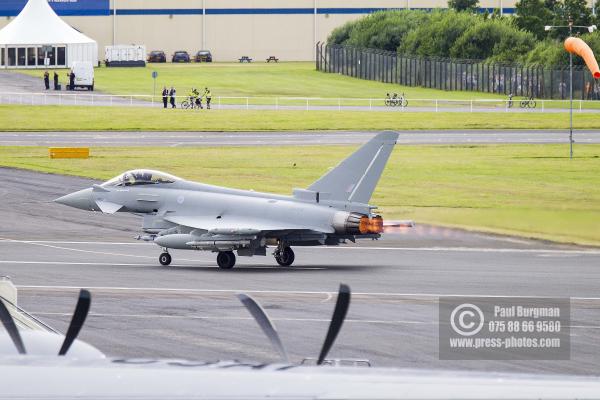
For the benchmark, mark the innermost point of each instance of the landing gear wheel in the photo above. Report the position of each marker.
(164, 259)
(226, 259)
(285, 257)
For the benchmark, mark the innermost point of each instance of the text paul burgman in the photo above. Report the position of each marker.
(526, 312)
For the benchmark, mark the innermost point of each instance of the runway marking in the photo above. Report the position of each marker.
(329, 297)
(219, 318)
(302, 292)
(174, 266)
(70, 263)
(48, 244)
(279, 319)
(440, 249)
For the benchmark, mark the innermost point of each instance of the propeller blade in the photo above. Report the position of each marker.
(79, 316)
(11, 328)
(261, 317)
(339, 315)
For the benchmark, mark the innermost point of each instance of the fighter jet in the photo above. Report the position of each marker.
(180, 214)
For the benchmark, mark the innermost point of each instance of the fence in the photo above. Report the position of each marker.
(448, 74)
(301, 103)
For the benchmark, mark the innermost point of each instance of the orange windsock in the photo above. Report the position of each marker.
(579, 47)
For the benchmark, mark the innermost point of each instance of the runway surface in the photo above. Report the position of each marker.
(175, 139)
(189, 310)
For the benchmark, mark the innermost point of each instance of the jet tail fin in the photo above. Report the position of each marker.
(356, 177)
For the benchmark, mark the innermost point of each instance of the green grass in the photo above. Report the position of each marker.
(293, 79)
(70, 118)
(528, 190)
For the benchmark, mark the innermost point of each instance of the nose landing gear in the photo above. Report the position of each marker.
(164, 258)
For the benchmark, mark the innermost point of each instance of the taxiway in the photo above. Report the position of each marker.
(189, 309)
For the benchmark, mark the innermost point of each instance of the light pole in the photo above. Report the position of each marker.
(570, 26)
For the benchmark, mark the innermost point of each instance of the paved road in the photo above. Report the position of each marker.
(17, 88)
(174, 139)
(189, 309)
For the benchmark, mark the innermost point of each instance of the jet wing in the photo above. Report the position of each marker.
(240, 225)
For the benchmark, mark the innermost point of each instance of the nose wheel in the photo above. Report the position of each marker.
(164, 258)
(285, 257)
(226, 259)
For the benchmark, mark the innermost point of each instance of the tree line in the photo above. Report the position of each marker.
(460, 32)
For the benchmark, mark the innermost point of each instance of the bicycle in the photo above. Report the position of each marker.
(528, 103)
(189, 103)
(395, 101)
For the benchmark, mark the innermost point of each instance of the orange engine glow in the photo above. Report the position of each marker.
(364, 226)
(376, 224)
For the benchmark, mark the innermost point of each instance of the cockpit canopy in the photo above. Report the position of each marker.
(141, 177)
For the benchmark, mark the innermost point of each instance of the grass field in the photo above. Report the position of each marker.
(72, 118)
(290, 79)
(528, 190)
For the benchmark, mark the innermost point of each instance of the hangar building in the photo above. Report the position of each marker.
(287, 29)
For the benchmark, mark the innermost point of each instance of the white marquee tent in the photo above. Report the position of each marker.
(38, 38)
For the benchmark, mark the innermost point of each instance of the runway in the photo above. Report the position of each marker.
(176, 139)
(189, 310)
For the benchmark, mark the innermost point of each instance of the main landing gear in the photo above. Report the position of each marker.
(164, 258)
(284, 255)
(226, 259)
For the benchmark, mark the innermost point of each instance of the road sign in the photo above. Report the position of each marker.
(154, 76)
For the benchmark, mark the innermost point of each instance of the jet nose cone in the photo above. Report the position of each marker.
(81, 199)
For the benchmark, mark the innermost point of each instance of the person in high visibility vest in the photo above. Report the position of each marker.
(193, 97)
(208, 96)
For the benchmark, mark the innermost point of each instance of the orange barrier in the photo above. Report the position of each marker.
(579, 47)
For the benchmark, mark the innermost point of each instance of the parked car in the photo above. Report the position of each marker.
(181, 56)
(203, 56)
(157, 56)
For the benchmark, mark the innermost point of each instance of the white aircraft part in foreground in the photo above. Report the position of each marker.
(32, 367)
(180, 214)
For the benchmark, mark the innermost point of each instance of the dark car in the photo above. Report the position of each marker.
(181, 56)
(157, 56)
(203, 56)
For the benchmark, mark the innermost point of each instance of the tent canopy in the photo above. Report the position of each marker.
(38, 24)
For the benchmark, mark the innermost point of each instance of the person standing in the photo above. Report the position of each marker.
(72, 81)
(208, 96)
(55, 80)
(173, 95)
(165, 97)
(47, 80)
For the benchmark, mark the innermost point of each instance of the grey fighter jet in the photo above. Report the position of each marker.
(179, 214)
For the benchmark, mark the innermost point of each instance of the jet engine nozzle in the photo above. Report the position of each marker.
(352, 223)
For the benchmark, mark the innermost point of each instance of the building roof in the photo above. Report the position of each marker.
(38, 24)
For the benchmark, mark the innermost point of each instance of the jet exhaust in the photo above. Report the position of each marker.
(353, 223)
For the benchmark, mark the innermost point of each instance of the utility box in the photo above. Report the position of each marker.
(125, 56)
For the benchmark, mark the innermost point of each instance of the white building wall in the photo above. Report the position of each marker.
(287, 29)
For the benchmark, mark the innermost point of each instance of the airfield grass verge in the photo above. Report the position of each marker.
(81, 118)
(527, 190)
(258, 79)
